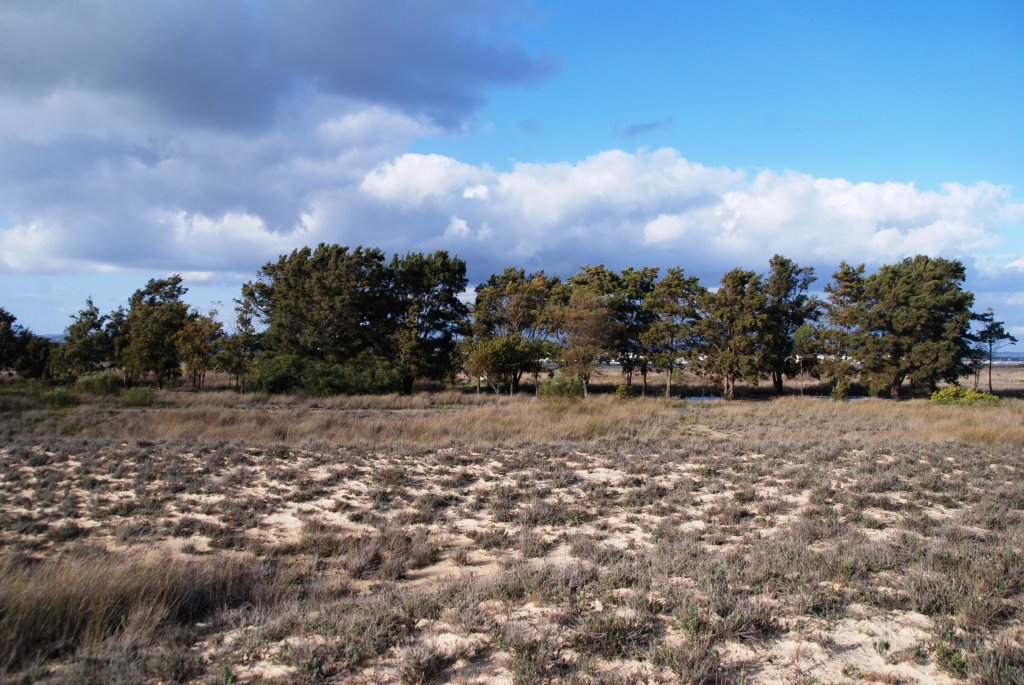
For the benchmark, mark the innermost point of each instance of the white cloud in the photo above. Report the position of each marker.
(413, 178)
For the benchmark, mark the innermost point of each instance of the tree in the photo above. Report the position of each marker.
(10, 332)
(731, 329)
(240, 348)
(86, 345)
(156, 314)
(513, 306)
(330, 304)
(583, 327)
(788, 307)
(992, 338)
(502, 361)
(913, 324)
(198, 342)
(22, 350)
(429, 317)
(634, 320)
(836, 342)
(673, 332)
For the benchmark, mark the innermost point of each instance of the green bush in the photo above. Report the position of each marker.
(60, 397)
(561, 387)
(138, 397)
(99, 383)
(364, 375)
(275, 375)
(957, 395)
(626, 392)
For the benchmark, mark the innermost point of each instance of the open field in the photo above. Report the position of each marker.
(218, 538)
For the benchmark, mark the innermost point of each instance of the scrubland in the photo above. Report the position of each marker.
(446, 537)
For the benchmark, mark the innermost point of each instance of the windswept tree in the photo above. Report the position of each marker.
(732, 327)
(10, 333)
(198, 344)
(673, 307)
(429, 318)
(156, 315)
(583, 327)
(914, 325)
(241, 346)
(512, 307)
(991, 338)
(328, 304)
(836, 342)
(86, 345)
(788, 306)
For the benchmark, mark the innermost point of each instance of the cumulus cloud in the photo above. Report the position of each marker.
(115, 116)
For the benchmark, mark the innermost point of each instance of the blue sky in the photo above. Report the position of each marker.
(139, 140)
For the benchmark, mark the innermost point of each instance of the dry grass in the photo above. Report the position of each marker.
(368, 421)
(456, 538)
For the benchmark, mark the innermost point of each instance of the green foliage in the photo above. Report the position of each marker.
(197, 344)
(734, 319)
(328, 304)
(584, 328)
(561, 387)
(912, 323)
(334, 304)
(155, 318)
(511, 323)
(274, 375)
(626, 392)
(366, 375)
(86, 344)
(957, 395)
(502, 361)
(99, 383)
(672, 334)
(22, 350)
(290, 373)
(59, 398)
(789, 308)
(141, 396)
(428, 315)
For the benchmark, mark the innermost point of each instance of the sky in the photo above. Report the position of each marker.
(138, 140)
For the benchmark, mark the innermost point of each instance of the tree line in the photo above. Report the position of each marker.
(348, 320)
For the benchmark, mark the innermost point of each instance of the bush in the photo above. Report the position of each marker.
(61, 397)
(138, 397)
(364, 375)
(561, 387)
(274, 375)
(99, 383)
(957, 395)
(626, 392)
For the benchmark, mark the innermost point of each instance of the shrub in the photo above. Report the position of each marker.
(60, 397)
(364, 375)
(138, 397)
(561, 387)
(625, 392)
(99, 383)
(277, 374)
(957, 395)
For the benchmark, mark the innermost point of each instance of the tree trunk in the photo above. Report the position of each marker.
(990, 373)
(728, 387)
(777, 381)
(894, 390)
(668, 384)
(643, 391)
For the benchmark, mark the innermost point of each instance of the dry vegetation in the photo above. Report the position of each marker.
(455, 538)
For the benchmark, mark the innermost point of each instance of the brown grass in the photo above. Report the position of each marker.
(219, 538)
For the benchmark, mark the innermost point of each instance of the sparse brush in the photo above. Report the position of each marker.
(52, 607)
